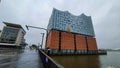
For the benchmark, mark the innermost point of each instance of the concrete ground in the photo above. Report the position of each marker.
(27, 59)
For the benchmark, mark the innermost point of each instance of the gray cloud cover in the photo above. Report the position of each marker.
(105, 16)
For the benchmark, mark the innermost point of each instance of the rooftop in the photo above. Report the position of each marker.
(54, 9)
(12, 25)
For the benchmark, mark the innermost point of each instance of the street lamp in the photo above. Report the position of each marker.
(35, 27)
(42, 39)
(27, 26)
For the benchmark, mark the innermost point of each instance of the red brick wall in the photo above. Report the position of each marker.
(92, 45)
(80, 42)
(67, 41)
(53, 40)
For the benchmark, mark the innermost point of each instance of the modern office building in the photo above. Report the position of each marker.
(12, 34)
(70, 33)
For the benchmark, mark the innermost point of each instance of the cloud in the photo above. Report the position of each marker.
(107, 29)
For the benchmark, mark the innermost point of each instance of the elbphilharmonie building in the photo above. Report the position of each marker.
(70, 33)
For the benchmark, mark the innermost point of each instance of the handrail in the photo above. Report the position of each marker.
(48, 62)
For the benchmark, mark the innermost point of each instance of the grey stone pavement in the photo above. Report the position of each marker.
(27, 59)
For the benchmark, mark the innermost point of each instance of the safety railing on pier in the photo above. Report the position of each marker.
(78, 52)
(48, 62)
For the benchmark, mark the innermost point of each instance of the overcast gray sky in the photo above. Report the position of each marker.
(105, 16)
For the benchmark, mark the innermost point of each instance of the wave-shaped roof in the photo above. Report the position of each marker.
(62, 20)
(54, 9)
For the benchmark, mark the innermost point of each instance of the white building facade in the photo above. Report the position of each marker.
(12, 34)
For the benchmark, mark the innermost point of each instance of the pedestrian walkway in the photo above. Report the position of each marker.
(16, 59)
(29, 59)
(8, 58)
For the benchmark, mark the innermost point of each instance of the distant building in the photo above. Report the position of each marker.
(69, 33)
(12, 34)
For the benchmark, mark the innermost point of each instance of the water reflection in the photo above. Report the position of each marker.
(78, 61)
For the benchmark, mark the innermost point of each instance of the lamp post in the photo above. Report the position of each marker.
(42, 39)
(27, 26)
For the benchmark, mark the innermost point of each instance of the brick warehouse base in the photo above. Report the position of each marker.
(70, 43)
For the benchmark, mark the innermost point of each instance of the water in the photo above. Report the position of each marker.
(111, 60)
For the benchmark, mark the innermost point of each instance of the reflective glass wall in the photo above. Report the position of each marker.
(9, 35)
(65, 21)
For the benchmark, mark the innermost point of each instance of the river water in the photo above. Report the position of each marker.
(111, 60)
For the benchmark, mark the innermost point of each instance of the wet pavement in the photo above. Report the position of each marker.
(16, 59)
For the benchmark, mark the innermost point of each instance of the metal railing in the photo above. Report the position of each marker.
(48, 62)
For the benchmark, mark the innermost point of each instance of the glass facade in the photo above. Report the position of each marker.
(9, 35)
(65, 21)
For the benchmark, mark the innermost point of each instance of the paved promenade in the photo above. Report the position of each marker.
(27, 59)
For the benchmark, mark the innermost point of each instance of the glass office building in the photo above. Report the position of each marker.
(9, 35)
(65, 21)
(12, 34)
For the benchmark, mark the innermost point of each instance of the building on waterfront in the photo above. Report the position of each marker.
(70, 33)
(12, 34)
